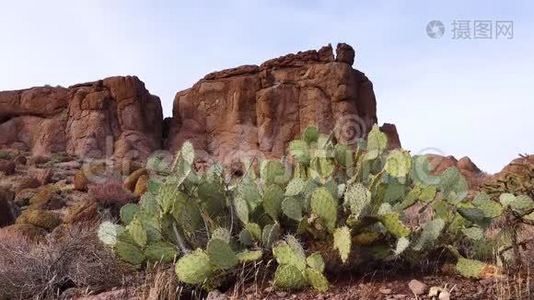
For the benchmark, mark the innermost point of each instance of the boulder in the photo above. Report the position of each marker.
(6, 211)
(7, 167)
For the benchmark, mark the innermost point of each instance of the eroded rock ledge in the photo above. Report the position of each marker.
(257, 110)
(115, 117)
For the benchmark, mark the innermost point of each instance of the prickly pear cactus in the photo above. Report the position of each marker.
(194, 268)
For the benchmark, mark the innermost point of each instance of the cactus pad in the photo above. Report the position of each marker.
(315, 261)
(292, 208)
(299, 149)
(431, 232)
(289, 277)
(272, 201)
(221, 255)
(137, 232)
(394, 225)
(249, 256)
(325, 207)
(358, 198)
(129, 253)
(295, 187)
(343, 242)
(317, 280)
(194, 268)
(109, 232)
(161, 251)
(286, 255)
(271, 233)
(398, 163)
(128, 212)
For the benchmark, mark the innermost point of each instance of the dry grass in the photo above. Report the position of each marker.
(161, 283)
(44, 270)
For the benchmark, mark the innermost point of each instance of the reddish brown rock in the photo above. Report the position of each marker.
(393, 136)
(345, 53)
(474, 176)
(6, 212)
(115, 116)
(257, 110)
(7, 167)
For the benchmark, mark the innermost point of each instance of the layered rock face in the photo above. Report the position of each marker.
(115, 116)
(256, 110)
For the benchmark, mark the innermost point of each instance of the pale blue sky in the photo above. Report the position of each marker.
(463, 97)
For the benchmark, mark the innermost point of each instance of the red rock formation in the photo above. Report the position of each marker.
(116, 116)
(474, 176)
(254, 110)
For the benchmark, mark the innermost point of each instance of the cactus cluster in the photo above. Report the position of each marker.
(348, 199)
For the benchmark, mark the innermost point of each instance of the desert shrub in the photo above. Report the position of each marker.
(334, 206)
(110, 193)
(30, 270)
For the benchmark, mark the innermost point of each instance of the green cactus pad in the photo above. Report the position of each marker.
(473, 233)
(519, 204)
(273, 172)
(315, 261)
(377, 142)
(255, 230)
(490, 208)
(431, 232)
(322, 167)
(137, 232)
(248, 191)
(325, 207)
(394, 225)
(272, 201)
(129, 253)
(310, 135)
(358, 198)
(292, 208)
(295, 187)
(241, 209)
(194, 268)
(398, 163)
(317, 280)
(289, 277)
(128, 212)
(108, 233)
(246, 238)
(343, 242)
(221, 234)
(471, 268)
(271, 233)
(188, 152)
(296, 246)
(249, 256)
(402, 244)
(299, 149)
(286, 255)
(161, 251)
(344, 156)
(220, 254)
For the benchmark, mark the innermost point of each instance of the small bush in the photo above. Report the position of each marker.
(45, 270)
(110, 193)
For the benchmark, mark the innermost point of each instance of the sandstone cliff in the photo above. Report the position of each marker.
(256, 110)
(115, 116)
